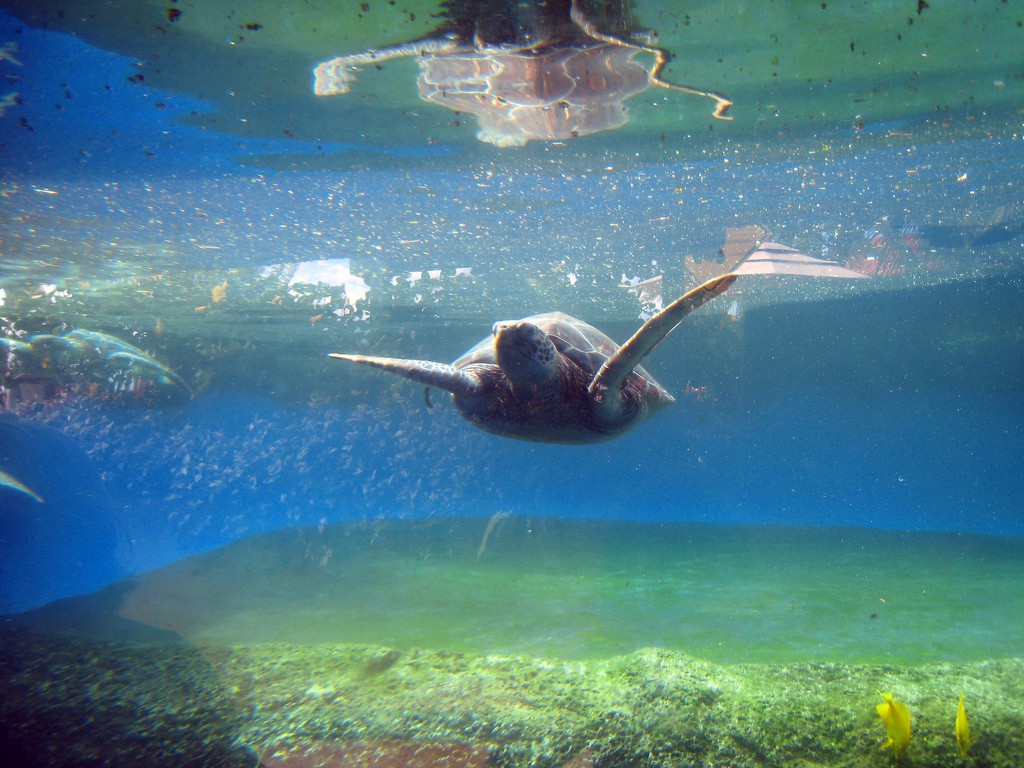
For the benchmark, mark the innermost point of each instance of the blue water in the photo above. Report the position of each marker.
(887, 440)
(894, 409)
(838, 483)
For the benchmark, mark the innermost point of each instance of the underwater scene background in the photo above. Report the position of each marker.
(220, 546)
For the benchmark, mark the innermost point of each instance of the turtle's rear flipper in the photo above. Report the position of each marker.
(426, 372)
(615, 370)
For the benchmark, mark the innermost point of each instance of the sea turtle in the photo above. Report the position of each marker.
(548, 70)
(552, 378)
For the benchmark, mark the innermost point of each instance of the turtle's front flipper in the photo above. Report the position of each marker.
(615, 370)
(335, 76)
(432, 374)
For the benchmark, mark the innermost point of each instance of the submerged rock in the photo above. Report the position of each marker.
(650, 708)
(76, 702)
(71, 700)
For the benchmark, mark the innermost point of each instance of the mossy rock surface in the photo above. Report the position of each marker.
(71, 701)
(650, 708)
(75, 702)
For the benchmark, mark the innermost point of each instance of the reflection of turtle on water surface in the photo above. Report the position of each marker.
(534, 69)
(553, 378)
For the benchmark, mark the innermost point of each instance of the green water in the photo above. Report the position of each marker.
(791, 67)
(589, 590)
(432, 642)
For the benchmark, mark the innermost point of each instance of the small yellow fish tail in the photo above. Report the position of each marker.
(963, 728)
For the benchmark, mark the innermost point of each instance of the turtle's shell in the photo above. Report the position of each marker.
(581, 343)
(547, 93)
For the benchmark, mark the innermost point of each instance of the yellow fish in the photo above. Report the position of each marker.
(896, 717)
(963, 730)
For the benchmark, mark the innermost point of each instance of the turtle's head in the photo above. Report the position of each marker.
(525, 354)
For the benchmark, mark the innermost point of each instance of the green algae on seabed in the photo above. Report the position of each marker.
(71, 701)
(650, 708)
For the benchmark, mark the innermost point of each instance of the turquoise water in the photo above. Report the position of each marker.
(323, 563)
(583, 590)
